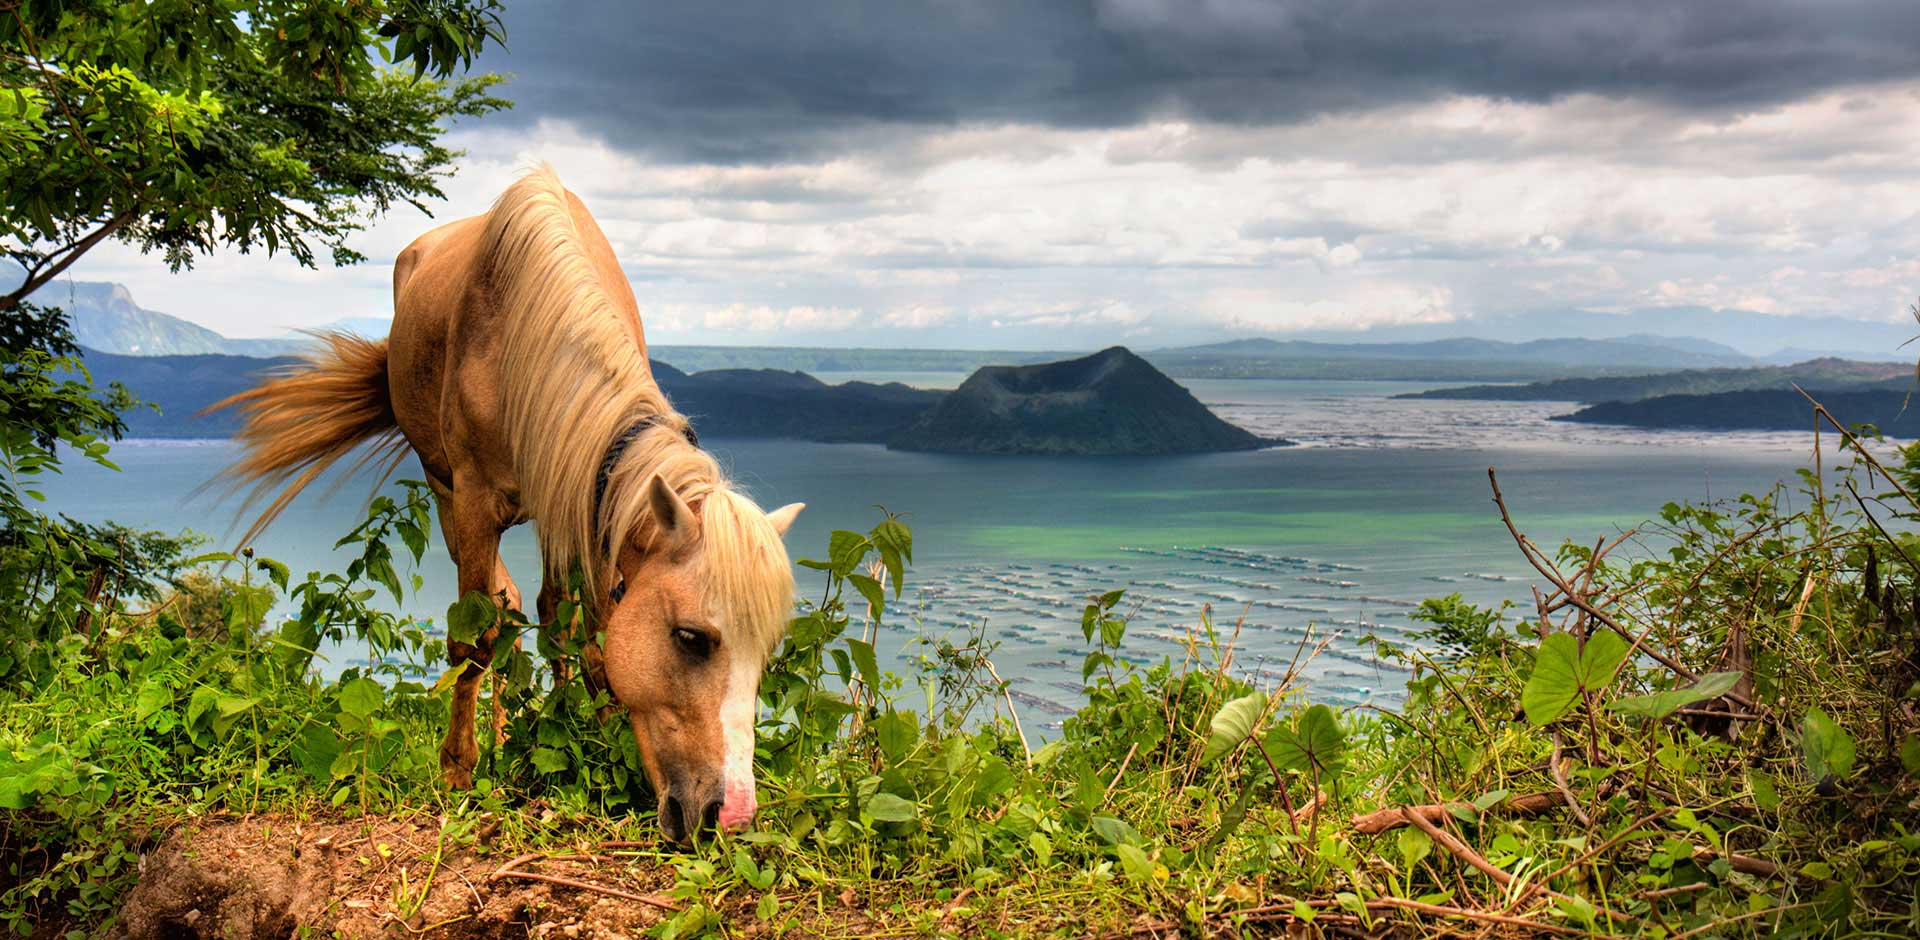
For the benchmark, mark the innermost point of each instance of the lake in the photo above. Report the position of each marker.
(1383, 503)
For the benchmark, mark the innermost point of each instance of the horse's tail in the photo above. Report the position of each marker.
(303, 420)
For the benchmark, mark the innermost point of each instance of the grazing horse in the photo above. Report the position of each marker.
(516, 371)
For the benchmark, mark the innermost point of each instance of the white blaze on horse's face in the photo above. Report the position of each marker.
(689, 679)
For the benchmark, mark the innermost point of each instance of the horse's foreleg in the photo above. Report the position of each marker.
(473, 539)
(576, 628)
(548, 604)
(504, 590)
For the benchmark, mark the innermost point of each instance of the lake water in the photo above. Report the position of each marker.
(1384, 503)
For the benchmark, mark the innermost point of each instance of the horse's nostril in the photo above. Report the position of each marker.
(673, 818)
(710, 817)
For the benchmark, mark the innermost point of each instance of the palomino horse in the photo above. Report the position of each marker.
(517, 372)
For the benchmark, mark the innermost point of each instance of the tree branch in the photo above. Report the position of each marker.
(37, 279)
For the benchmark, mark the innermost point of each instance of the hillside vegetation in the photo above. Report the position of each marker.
(1706, 729)
(1818, 374)
(1889, 410)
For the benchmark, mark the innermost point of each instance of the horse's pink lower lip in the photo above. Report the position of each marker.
(737, 812)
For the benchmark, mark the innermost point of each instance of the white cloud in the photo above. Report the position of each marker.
(1184, 231)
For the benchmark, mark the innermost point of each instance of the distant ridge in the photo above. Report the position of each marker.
(1773, 337)
(1110, 403)
(1639, 352)
(1815, 374)
(1893, 411)
(729, 403)
(105, 317)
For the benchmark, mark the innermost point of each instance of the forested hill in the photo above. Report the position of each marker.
(1110, 403)
(1890, 410)
(723, 403)
(1824, 374)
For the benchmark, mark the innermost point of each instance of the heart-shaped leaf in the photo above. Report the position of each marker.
(885, 807)
(1562, 670)
(1315, 742)
(1827, 746)
(1232, 724)
(1115, 831)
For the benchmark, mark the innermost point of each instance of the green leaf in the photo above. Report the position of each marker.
(1828, 748)
(897, 733)
(1661, 704)
(1601, 658)
(452, 676)
(865, 661)
(548, 760)
(315, 749)
(1910, 754)
(470, 616)
(1562, 670)
(276, 571)
(845, 549)
(896, 533)
(1555, 682)
(1232, 724)
(380, 569)
(871, 590)
(1115, 831)
(1414, 845)
(1315, 742)
(885, 807)
(294, 645)
(247, 606)
(1134, 861)
(361, 697)
(1093, 661)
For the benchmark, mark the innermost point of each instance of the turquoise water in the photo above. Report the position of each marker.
(1384, 503)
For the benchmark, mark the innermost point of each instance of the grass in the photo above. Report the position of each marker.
(1545, 774)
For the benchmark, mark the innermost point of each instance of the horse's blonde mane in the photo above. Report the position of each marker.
(574, 377)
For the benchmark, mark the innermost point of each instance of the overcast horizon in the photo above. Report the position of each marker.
(1165, 172)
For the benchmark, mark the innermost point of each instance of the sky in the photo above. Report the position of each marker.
(1065, 174)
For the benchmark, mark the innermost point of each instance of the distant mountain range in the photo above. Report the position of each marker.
(1107, 404)
(727, 403)
(1775, 338)
(105, 317)
(1826, 374)
(1510, 349)
(1890, 410)
(1439, 360)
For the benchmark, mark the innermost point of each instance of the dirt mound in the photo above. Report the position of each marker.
(263, 877)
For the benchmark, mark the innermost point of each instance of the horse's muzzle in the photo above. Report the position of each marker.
(683, 819)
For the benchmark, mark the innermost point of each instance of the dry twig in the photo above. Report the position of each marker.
(1393, 817)
(511, 870)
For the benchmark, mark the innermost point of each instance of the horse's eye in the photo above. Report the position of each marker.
(619, 591)
(693, 643)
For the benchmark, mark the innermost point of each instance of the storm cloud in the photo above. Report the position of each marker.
(1054, 174)
(761, 81)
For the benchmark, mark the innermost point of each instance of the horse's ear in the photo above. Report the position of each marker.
(678, 525)
(783, 517)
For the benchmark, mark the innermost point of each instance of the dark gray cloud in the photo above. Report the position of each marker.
(755, 80)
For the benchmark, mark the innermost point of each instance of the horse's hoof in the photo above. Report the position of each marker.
(458, 777)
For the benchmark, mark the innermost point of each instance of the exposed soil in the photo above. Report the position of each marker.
(273, 878)
(264, 877)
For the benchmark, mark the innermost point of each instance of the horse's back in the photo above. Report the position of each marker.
(435, 287)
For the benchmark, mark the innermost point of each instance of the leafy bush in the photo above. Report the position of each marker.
(1720, 730)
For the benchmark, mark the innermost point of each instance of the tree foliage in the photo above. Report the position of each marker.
(183, 125)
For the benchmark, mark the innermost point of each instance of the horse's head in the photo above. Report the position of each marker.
(703, 595)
